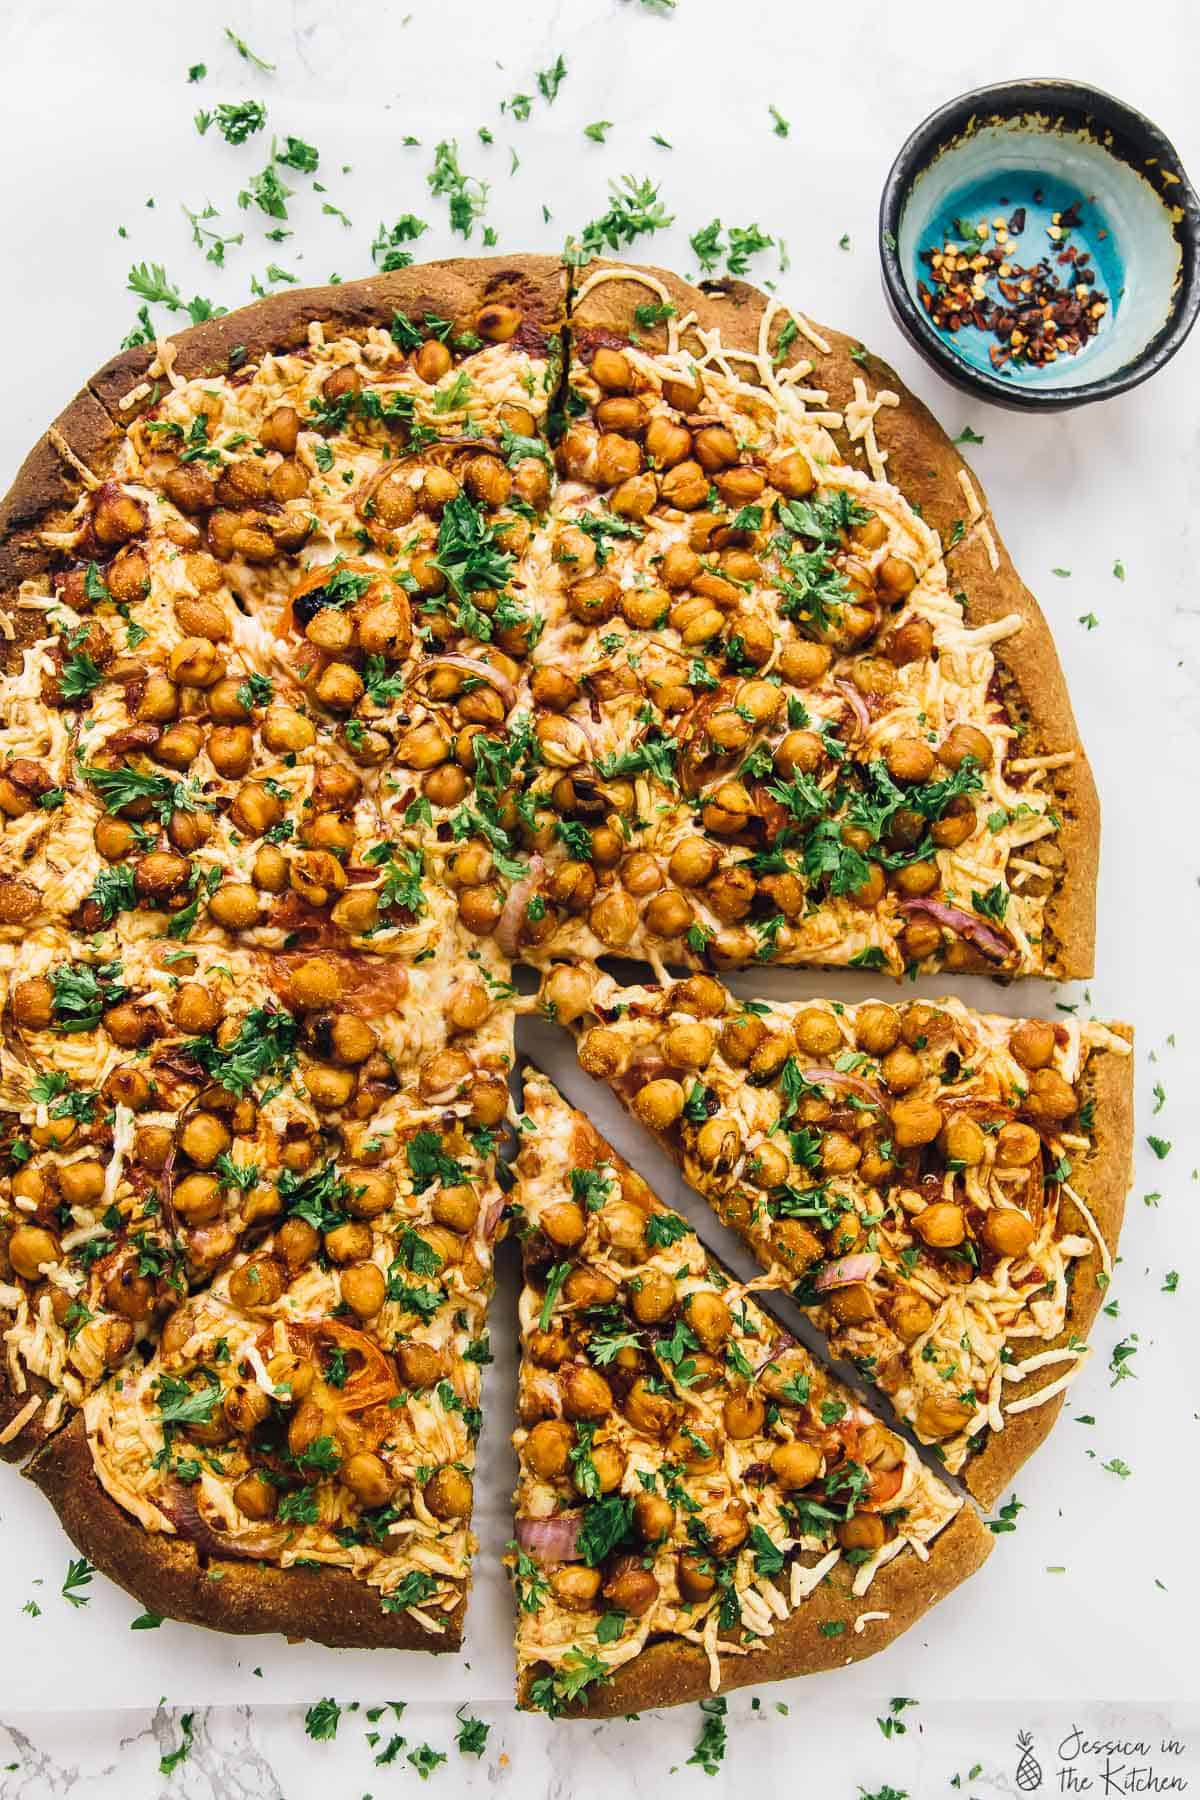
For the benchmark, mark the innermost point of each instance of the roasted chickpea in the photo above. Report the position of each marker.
(1050, 1100)
(1016, 1145)
(159, 874)
(258, 1282)
(817, 1032)
(30, 1249)
(602, 1052)
(314, 983)
(963, 741)
(255, 1496)
(865, 1531)
(649, 1412)
(420, 1365)
(694, 1574)
(1008, 1232)
(743, 1414)
(631, 1589)
(902, 1070)
(575, 1586)
(909, 759)
(942, 1417)
(80, 1183)
(231, 750)
(297, 1242)
(286, 730)
(548, 1448)
(158, 700)
(795, 1465)
(235, 905)
(364, 1289)
(659, 1103)
(197, 1198)
(203, 1138)
(195, 662)
(804, 663)
(33, 1004)
(962, 1141)
(1032, 1043)
(366, 1475)
(586, 1394)
(710, 1319)
(942, 1225)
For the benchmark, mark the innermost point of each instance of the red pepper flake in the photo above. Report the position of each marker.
(1033, 318)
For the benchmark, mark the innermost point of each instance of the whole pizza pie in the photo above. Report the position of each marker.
(375, 640)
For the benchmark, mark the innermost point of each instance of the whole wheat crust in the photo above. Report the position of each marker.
(167, 1575)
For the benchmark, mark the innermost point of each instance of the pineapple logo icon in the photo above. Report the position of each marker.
(1029, 1769)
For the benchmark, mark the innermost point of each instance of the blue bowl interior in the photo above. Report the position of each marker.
(990, 171)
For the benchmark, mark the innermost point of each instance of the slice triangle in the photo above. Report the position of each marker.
(248, 1274)
(699, 1504)
(797, 706)
(943, 1188)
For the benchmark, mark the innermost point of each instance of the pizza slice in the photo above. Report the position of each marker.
(944, 1188)
(790, 710)
(699, 1505)
(295, 1450)
(166, 1105)
(248, 665)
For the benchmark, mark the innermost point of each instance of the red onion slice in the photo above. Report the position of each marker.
(474, 666)
(179, 1504)
(550, 1540)
(856, 703)
(852, 1084)
(963, 924)
(780, 1347)
(508, 925)
(492, 1218)
(847, 1270)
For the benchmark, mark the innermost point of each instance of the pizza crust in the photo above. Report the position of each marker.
(670, 1672)
(168, 1576)
(924, 464)
(1102, 1182)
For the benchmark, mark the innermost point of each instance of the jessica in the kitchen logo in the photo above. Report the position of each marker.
(1105, 1766)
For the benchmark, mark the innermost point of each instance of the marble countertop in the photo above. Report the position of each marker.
(1080, 1631)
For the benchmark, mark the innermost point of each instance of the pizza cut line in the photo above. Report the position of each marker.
(941, 1189)
(699, 1505)
(358, 647)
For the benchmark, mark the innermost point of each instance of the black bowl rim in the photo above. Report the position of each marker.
(1089, 106)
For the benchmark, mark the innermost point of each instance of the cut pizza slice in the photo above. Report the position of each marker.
(944, 1188)
(296, 1454)
(795, 705)
(165, 1105)
(699, 1504)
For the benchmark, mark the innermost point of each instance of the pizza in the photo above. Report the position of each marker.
(699, 1505)
(363, 645)
(942, 1188)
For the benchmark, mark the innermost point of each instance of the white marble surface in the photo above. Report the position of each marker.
(96, 120)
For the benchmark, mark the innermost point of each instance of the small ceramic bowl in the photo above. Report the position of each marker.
(1036, 195)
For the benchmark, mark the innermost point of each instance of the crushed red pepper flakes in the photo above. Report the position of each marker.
(1035, 313)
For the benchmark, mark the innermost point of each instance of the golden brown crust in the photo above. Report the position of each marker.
(168, 1576)
(670, 1672)
(1101, 1179)
(926, 467)
(453, 290)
